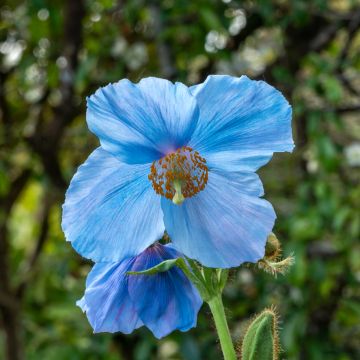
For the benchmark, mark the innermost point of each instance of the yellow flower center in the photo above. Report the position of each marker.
(179, 175)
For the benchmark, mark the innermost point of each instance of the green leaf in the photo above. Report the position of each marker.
(211, 19)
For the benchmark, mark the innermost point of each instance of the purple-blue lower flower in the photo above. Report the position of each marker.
(164, 302)
(179, 158)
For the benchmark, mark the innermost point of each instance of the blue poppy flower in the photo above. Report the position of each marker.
(179, 158)
(164, 302)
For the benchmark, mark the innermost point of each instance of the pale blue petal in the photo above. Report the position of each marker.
(111, 211)
(242, 122)
(139, 123)
(224, 225)
(245, 182)
(166, 301)
(106, 301)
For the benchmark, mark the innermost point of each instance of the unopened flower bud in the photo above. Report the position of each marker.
(261, 340)
(273, 247)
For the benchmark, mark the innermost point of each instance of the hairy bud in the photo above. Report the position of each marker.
(273, 247)
(261, 340)
(272, 262)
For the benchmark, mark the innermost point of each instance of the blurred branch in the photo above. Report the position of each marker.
(324, 250)
(328, 32)
(39, 244)
(348, 85)
(18, 184)
(345, 109)
(8, 301)
(353, 27)
(4, 110)
(324, 37)
(46, 140)
(339, 110)
(45, 148)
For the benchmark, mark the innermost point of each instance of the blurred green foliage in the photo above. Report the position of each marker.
(55, 53)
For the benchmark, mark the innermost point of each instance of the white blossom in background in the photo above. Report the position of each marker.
(119, 47)
(215, 41)
(43, 14)
(12, 51)
(238, 22)
(352, 154)
(136, 56)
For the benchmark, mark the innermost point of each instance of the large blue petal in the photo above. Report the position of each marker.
(245, 182)
(242, 122)
(139, 123)
(166, 301)
(111, 211)
(224, 225)
(106, 300)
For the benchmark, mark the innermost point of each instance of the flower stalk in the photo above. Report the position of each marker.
(217, 310)
(210, 283)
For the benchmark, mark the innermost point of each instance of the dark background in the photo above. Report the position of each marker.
(55, 53)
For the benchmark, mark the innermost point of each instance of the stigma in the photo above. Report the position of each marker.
(179, 175)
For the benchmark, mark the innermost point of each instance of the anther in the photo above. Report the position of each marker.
(179, 175)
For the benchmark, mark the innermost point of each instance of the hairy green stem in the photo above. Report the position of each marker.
(217, 310)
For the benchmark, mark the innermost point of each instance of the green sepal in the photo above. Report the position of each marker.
(272, 262)
(162, 267)
(223, 275)
(276, 267)
(261, 340)
(212, 280)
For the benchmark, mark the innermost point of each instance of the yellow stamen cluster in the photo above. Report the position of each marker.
(182, 173)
